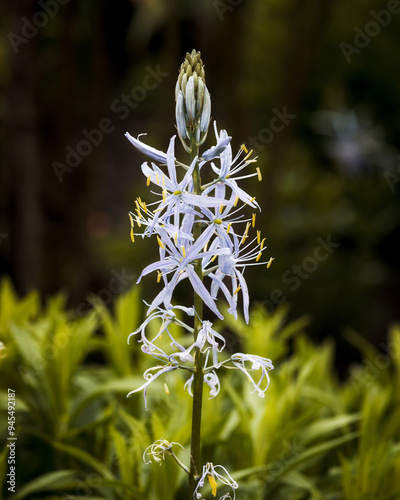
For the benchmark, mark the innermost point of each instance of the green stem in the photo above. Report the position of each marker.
(195, 466)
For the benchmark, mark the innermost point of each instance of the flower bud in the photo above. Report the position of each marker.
(193, 103)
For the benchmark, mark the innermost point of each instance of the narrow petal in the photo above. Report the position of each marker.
(216, 150)
(147, 150)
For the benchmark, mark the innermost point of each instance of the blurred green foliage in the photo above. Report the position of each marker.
(312, 437)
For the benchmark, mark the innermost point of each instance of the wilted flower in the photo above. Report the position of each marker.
(210, 473)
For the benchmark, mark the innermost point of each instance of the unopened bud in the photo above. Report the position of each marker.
(193, 102)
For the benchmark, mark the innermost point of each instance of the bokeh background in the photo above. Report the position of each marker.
(330, 173)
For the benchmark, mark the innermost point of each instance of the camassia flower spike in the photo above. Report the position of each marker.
(205, 243)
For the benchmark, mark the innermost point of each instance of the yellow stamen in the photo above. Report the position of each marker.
(148, 180)
(249, 154)
(245, 233)
(228, 228)
(243, 148)
(159, 274)
(258, 237)
(183, 251)
(176, 193)
(217, 221)
(253, 221)
(252, 199)
(258, 257)
(157, 178)
(163, 180)
(160, 243)
(213, 484)
(205, 247)
(137, 206)
(166, 389)
(138, 223)
(236, 201)
(221, 209)
(132, 235)
(145, 207)
(237, 290)
(270, 262)
(164, 193)
(262, 243)
(259, 174)
(131, 219)
(176, 238)
(213, 258)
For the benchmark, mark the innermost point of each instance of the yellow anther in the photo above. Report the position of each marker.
(218, 221)
(145, 207)
(221, 209)
(166, 389)
(236, 201)
(138, 222)
(259, 174)
(164, 194)
(183, 250)
(237, 290)
(159, 274)
(163, 180)
(258, 257)
(148, 180)
(228, 228)
(258, 237)
(246, 231)
(137, 206)
(252, 199)
(132, 235)
(205, 247)
(253, 220)
(176, 238)
(213, 484)
(213, 258)
(262, 243)
(249, 154)
(160, 243)
(270, 262)
(243, 148)
(176, 193)
(131, 219)
(157, 178)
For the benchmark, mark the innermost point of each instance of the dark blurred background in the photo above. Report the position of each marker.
(312, 86)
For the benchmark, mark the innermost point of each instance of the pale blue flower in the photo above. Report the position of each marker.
(230, 167)
(180, 262)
